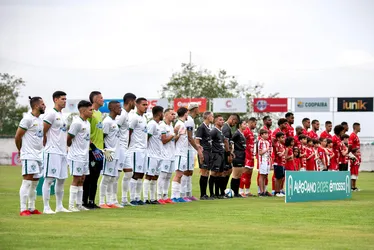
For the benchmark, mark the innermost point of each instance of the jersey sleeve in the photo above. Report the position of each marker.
(226, 131)
(351, 139)
(25, 123)
(151, 127)
(75, 127)
(236, 138)
(163, 129)
(133, 122)
(49, 117)
(189, 124)
(199, 133)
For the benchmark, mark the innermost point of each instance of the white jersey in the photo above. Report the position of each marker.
(139, 137)
(168, 149)
(181, 146)
(123, 124)
(111, 133)
(32, 141)
(155, 146)
(190, 126)
(80, 130)
(56, 135)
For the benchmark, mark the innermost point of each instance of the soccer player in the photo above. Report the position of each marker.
(203, 139)
(124, 156)
(322, 152)
(181, 151)
(315, 127)
(306, 125)
(168, 137)
(154, 156)
(279, 162)
(302, 148)
(110, 166)
(289, 144)
(355, 165)
(290, 120)
(354, 141)
(310, 155)
(186, 185)
(299, 131)
(330, 153)
(239, 161)
(264, 159)
(267, 125)
(137, 149)
(78, 139)
(326, 133)
(297, 159)
(317, 159)
(337, 147)
(55, 162)
(95, 154)
(29, 142)
(343, 158)
(345, 126)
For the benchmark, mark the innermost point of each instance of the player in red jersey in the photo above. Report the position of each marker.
(315, 127)
(310, 155)
(345, 126)
(279, 162)
(323, 154)
(355, 164)
(306, 125)
(296, 159)
(302, 148)
(299, 131)
(326, 133)
(343, 158)
(317, 159)
(354, 141)
(330, 152)
(337, 145)
(289, 144)
(290, 120)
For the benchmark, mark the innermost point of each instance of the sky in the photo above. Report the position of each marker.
(297, 48)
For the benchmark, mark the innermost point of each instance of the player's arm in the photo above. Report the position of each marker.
(133, 122)
(191, 140)
(262, 151)
(47, 123)
(18, 137)
(286, 153)
(70, 139)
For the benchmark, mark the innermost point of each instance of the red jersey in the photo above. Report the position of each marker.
(313, 134)
(274, 136)
(290, 163)
(290, 131)
(297, 141)
(354, 141)
(297, 163)
(325, 134)
(310, 163)
(343, 159)
(279, 159)
(305, 132)
(355, 165)
(250, 146)
(270, 135)
(302, 149)
(336, 144)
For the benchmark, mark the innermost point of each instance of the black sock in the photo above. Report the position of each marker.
(227, 178)
(212, 180)
(223, 185)
(217, 185)
(203, 185)
(235, 183)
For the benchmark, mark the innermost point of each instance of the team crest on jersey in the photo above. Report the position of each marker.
(79, 169)
(39, 134)
(87, 137)
(57, 119)
(145, 130)
(35, 125)
(99, 125)
(53, 170)
(64, 128)
(33, 167)
(110, 170)
(166, 166)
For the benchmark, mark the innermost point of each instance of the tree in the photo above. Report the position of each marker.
(10, 111)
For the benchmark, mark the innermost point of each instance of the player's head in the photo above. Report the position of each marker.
(243, 124)
(345, 138)
(316, 143)
(303, 139)
(267, 121)
(323, 142)
(328, 126)
(345, 126)
(339, 130)
(218, 121)
(182, 113)
(158, 113)
(129, 100)
(59, 98)
(329, 143)
(141, 105)
(280, 137)
(193, 109)
(290, 118)
(315, 125)
(264, 134)
(96, 98)
(169, 115)
(252, 123)
(282, 123)
(355, 151)
(290, 141)
(296, 152)
(85, 109)
(299, 130)
(208, 117)
(357, 127)
(306, 123)
(115, 107)
(37, 104)
(233, 120)
(309, 141)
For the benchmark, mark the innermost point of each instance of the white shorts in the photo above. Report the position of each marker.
(55, 166)
(153, 166)
(191, 160)
(264, 169)
(110, 168)
(181, 163)
(124, 159)
(78, 168)
(137, 160)
(249, 167)
(32, 167)
(168, 166)
(354, 177)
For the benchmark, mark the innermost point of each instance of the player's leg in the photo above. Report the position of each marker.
(235, 179)
(181, 163)
(127, 174)
(25, 187)
(76, 172)
(153, 184)
(189, 174)
(36, 168)
(49, 163)
(85, 172)
(139, 174)
(161, 180)
(167, 182)
(59, 185)
(205, 166)
(118, 171)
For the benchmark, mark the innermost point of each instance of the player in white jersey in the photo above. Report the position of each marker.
(181, 151)
(168, 136)
(137, 149)
(54, 163)
(29, 142)
(154, 156)
(110, 166)
(186, 184)
(124, 157)
(78, 140)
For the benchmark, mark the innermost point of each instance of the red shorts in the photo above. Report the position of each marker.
(354, 170)
(249, 162)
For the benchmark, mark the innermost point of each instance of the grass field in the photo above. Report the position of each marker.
(252, 223)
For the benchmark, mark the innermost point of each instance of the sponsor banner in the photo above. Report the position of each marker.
(317, 185)
(229, 105)
(15, 159)
(359, 104)
(151, 103)
(312, 104)
(183, 102)
(270, 105)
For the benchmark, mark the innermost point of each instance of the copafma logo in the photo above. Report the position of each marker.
(228, 104)
(261, 105)
(290, 185)
(300, 104)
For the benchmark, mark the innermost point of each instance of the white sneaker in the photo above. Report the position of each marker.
(48, 211)
(127, 204)
(118, 205)
(82, 208)
(62, 209)
(279, 195)
(74, 209)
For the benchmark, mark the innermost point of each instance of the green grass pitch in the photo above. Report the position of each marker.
(252, 223)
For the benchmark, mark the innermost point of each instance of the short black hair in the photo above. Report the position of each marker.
(328, 123)
(302, 137)
(34, 100)
(344, 123)
(217, 116)
(84, 104)
(338, 129)
(237, 116)
(289, 114)
(308, 139)
(93, 94)
(314, 121)
(321, 139)
(157, 109)
(167, 110)
(282, 121)
(316, 141)
(140, 99)
(345, 136)
(111, 103)
(265, 118)
(263, 131)
(58, 94)
(305, 119)
(182, 111)
(279, 134)
(288, 141)
(356, 124)
(252, 119)
(329, 141)
(354, 150)
(128, 97)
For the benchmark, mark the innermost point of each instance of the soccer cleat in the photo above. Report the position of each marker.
(186, 199)
(118, 205)
(250, 195)
(36, 211)
(268, 194)
(134, 203)
(140, 203)
(243, 195)
(74, 209)
(193, 198)
(155, 203)
(62, 209)
(282, 192)
(82, 208)
(273, 192)
(94, 206)
(48, 211)
(175, 200)
(147, 202)
(104, 206)
(25, 213)
(127, 204)
(113, 206)
(162, 202)
(205, 198)
(278, 195)
(181, 200)
(169, 201)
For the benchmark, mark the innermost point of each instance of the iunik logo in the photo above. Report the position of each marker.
(358, 105)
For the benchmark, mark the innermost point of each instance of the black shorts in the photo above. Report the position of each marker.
(278, 172)
(238, 163)
(343, 167)
(218, 162)
(227, 165)
(207, 163)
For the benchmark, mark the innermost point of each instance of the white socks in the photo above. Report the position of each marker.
(247, 191)
(153, 189)
(24, 194)
(133, 184)
(189, 186)
(80, 196)
(125, 185)
(146, 186)
(59, 192)
(183, 188)
(32, 195)
(115, 189)
(241, 191)
(160, 185)
(47, 192)
(166, 185)
(73, 195)
(105, 180)
(175, 190)
(139, 185)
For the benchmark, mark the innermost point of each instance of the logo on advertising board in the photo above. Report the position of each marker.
(15, 159)
(359, 104)
(229, 105)
(183, 102)
(270, 104)
(312, 104)
(151, 103)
